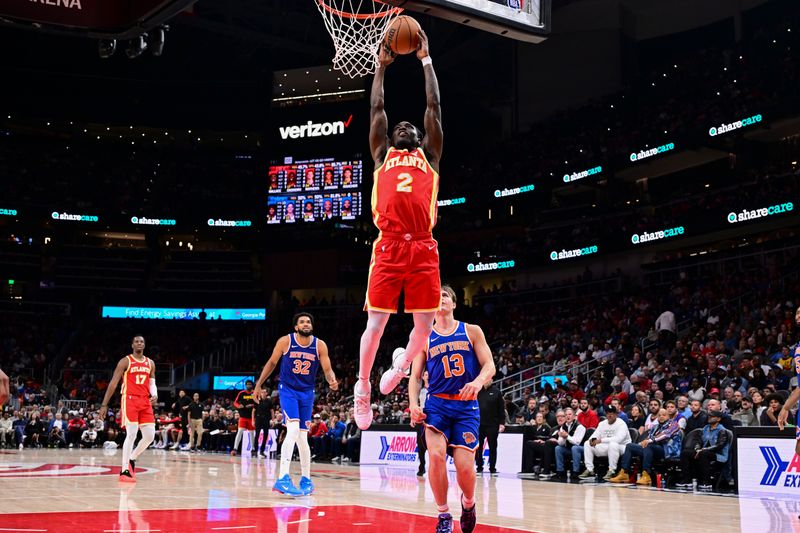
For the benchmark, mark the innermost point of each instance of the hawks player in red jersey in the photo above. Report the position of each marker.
(138, 394)
(405, 257)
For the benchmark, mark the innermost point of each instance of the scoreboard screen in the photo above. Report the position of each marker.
(314, 190)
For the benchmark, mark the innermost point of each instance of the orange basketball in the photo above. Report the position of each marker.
(402, 37)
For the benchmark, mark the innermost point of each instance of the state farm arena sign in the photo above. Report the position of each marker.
(33, 469)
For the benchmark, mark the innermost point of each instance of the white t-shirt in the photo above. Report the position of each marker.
(666, 322)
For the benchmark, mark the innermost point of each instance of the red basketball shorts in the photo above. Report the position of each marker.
(246, 423)
(137, 410)
(404, 263)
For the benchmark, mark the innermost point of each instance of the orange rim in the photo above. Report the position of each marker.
(360, 16)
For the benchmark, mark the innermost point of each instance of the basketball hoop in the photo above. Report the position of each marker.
(357, 28)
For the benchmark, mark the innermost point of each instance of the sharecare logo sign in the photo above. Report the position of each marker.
(315, 129)
(753, 214)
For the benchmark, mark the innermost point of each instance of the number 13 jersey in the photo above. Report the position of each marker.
(404, 192)
(299, 365)
(451, 361)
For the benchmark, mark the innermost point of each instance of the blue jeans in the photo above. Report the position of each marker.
(562, 452)
(648, 455)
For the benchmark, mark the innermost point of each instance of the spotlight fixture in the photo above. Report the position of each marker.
(106, 47)
(136, 46)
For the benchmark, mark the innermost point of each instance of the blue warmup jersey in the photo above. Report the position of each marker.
(299, 365)
(451, 364)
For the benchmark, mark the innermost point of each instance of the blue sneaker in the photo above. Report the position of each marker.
(285, 486)
(306, 486)
(445, 524)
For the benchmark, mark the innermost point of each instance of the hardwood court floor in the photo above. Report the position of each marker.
(78, 491)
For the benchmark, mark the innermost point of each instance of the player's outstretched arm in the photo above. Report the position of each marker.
(414, 380)
(432, 143)
(280, 348)
(484, 355)
(325, 361)
(122, 366)
(378, 122)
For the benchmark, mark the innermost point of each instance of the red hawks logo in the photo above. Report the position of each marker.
(469, 438)
(60, 470)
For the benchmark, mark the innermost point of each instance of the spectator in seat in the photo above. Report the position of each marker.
(618, 404)
(75, 428)
(608, 440)
(57, 430)
(758, 402)
(683, 406)
(36, 432)
(19, 425)
(316, 433)
(745, 413)
(696, 391)
(587, 417)
(352, 440)
(653, 407)
(770, 415)
(549, 416)
(712, 448)
(698, 419)
(535, 446)
(672, 411)
(6, 430)
(88, 437)
(726, 420)
(636, 419)
(333, 440)
(663, 440)
(529, 411)
(570, 445)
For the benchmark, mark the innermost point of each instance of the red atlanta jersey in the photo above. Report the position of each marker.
(404, 193)
(136, 380)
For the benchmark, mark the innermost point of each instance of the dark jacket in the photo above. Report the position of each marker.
(492, 407)
(696, 422)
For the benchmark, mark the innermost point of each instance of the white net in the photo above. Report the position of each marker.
(357, 28)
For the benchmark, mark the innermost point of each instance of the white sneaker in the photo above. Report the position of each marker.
(363, 409)
(175, 447)
(345, 459)
(392, 377)
(20, 446)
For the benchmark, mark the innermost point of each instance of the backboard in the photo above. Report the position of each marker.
(523, 20)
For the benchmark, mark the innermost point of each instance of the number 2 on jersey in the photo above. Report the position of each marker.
(404, 182)
(301, 367)
(458, 365)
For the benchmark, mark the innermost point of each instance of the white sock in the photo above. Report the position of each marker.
(127, 446)
(305, 454)
(287, 448)
(148, 434)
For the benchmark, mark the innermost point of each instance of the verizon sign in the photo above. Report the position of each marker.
(315, 129)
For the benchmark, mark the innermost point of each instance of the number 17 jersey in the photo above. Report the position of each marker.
(299, 365)
(404, 193)
(451, 361)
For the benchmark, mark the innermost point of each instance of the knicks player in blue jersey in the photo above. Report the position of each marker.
(459, 363)
(299, 354)
(783, 416)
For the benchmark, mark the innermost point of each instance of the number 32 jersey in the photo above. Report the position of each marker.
(299, 365)
(404, 193)
(451, 361)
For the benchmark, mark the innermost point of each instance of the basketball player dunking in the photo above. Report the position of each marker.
(300, 354)
(459, 364)
(405, 257)
(138, 394)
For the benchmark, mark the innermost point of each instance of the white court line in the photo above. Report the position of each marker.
(130, 530)
(300, 521)
(233, 527)
(362, 523)
(18, 529)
